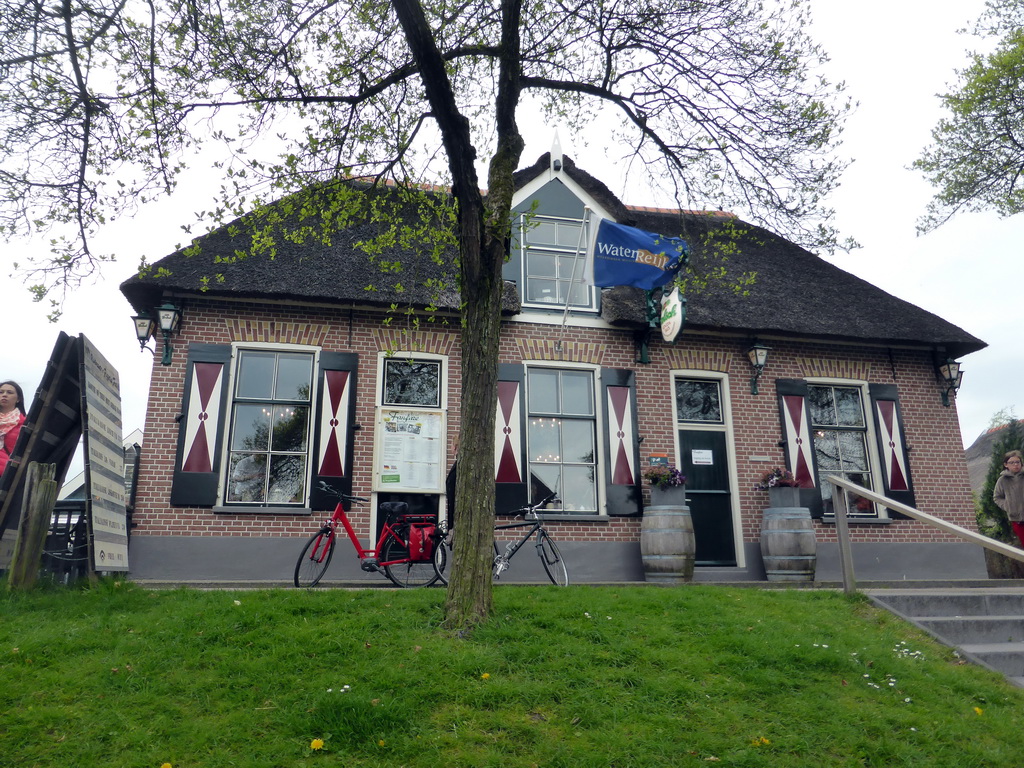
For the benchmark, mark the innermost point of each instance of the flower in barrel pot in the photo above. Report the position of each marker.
(667, 544)
(788, 545)
(668, 484)
(783, 488)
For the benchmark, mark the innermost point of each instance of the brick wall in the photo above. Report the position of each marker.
(937, 463)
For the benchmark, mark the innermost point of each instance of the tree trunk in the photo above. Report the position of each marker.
(483, 230)
(470, 589)
(1003, 567)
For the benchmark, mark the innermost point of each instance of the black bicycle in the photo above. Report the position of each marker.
(547, 550)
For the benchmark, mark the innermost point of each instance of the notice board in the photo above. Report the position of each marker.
(409, 450)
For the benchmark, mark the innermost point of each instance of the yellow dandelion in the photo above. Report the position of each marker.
(978, 710)
(316, 744)
(166, 765)
(485, 676)
(380, 743)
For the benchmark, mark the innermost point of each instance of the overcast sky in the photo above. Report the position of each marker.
(895, 56)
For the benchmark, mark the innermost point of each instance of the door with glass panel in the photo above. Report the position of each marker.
(704, 459)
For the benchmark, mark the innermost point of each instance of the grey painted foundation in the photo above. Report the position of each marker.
(227, 559)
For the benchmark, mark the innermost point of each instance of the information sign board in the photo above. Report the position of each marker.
(409, 450)
(104, 460)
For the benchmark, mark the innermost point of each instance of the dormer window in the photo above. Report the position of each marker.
(554, 261)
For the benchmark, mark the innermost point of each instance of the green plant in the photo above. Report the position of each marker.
(664, 476)
(776, 478)
(992, 521)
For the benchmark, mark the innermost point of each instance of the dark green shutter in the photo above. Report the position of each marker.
(798, 441)
(892, 445)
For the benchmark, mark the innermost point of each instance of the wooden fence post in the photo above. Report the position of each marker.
(36, 511)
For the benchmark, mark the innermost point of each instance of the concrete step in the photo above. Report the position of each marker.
(975, 629)
(1006, 658)
(980, 602)
(985, 624)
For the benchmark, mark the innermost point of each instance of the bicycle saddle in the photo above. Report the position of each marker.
(394, 509)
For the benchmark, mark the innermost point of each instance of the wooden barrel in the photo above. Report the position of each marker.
(667, 544)
(788, 544)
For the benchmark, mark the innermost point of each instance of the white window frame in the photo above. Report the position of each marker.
(441, 412)
(231, 381)
(442, 391)
(524, 227)
(870, 436)
(599, 427)
(726, 426)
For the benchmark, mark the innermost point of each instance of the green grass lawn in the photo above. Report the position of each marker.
(586, 676)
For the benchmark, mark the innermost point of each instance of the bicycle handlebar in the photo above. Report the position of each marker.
(531, 509)
(343, 496)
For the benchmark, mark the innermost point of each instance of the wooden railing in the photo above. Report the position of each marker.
(839, 502)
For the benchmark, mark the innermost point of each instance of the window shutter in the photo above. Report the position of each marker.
(795, 417)
(892, 445)
(201, 426)
(621, 447)
(512, 489)
(333, 427)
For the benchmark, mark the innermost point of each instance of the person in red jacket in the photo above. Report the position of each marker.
(12, 416)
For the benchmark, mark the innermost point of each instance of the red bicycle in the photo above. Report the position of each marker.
(405, 551)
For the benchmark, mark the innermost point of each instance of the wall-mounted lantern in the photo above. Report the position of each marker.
(951, 376)
(167, 320)
(758, 356)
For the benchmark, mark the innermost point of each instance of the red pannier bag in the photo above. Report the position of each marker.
(421, 541)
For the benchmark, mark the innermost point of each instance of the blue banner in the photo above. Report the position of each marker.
(624, 255)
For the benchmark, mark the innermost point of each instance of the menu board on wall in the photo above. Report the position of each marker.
(409, 451)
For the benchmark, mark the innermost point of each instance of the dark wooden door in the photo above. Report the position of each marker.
(704, 459)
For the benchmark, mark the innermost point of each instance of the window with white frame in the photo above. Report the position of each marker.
(562, 437)
(408, 381)
(269, 439)
(554, 256)
(840, 433)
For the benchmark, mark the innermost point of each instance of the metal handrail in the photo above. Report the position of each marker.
(843, 530)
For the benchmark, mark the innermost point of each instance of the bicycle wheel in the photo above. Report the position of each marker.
(441, 560)
(315, 557)
(406, 572)
(552, 560)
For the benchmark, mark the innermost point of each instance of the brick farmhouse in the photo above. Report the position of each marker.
(287, 371)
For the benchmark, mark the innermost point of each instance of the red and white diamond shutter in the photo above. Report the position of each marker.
(201, 426)
(892, 444)
(622, 449)
(512, 488)
(334, 425)
(795, 418)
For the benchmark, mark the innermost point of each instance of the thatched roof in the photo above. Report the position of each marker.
(796, 293)
(305, 265)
